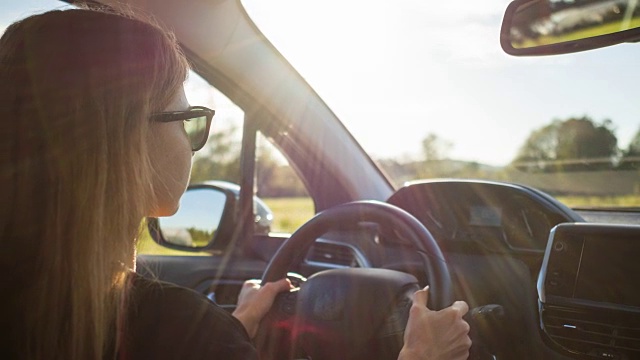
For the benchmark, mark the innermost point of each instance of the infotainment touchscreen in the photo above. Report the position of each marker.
(593, 264)
(589, 290)
(609, 271)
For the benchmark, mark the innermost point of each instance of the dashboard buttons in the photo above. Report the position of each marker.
(554, 283)
(555, 279)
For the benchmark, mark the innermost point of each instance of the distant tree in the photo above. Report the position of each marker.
(434, 152)
(572, 144)
(631, 156)
(266, 167)
(435, 147)
(279, 181)
(200, 237)
(219, 159)
(634, 145)
(276, 178)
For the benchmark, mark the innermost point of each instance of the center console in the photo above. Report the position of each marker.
(589, 291)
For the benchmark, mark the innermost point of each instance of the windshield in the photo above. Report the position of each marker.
(427, 91)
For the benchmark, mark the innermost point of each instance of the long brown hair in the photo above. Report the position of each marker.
(76, 91)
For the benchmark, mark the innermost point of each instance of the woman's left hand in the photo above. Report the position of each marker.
(255, 301)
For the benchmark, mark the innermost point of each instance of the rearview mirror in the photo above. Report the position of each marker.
(545, 27)
(199, 221)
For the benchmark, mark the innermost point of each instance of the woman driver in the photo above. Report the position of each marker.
(93, 139)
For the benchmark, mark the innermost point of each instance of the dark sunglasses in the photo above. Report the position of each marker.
(197, 121)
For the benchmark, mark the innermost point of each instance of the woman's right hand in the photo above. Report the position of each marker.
(435, 335)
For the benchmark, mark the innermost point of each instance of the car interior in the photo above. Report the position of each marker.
(543, 280)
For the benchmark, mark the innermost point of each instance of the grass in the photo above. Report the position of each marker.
(609, 28)
(146, 246)
(290, 213)
(600, 201)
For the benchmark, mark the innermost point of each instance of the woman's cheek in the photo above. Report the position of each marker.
(172, 166)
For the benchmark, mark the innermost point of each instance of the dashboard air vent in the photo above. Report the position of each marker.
(332, 254)
(594, 334)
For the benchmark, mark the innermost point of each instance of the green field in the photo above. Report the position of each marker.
(625, 201)
(290, 213)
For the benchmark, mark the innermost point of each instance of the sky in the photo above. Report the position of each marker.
(395, 71)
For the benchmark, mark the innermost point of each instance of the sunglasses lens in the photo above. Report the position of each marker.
(196, 129)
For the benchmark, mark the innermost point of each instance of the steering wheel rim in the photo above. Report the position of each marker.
(408, 227)
(294, 248)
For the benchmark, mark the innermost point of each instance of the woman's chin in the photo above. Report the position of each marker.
(165, 211)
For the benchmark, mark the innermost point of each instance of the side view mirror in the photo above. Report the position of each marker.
(546, 27)
(203, 222)
(262, 214)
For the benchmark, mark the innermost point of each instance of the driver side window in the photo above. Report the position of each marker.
(281, 202)
(278, 185)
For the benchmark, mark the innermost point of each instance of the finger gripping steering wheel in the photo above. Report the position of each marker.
(338, 312)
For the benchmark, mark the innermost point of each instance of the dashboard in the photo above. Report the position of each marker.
(483, 215)
(499, 240)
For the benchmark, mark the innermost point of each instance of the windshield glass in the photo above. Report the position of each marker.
(427, 91)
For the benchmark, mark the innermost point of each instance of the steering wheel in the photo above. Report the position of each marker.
(347, 313)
